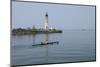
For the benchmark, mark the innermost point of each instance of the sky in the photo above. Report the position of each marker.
(27, 14)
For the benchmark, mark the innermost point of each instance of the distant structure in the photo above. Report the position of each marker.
(46, 27)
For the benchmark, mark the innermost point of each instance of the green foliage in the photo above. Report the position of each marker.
(34, 29)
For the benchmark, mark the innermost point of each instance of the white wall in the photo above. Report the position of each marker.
(5, 33)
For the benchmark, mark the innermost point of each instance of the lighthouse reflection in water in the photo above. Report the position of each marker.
(69, 48)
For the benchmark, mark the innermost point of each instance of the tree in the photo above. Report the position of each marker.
(34, 28)
(53, 29)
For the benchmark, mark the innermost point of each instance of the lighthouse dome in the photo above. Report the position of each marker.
(46, 14)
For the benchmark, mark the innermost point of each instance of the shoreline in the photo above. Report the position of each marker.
(30, 31)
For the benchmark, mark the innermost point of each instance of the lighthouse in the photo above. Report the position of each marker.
(46, 22)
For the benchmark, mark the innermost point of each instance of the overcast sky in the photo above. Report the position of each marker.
(25, 14)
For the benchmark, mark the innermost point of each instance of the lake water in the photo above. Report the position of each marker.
(74, 46)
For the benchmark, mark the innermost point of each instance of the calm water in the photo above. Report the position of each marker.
(73, 46)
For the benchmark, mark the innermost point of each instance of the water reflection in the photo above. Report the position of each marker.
(44, 41)
(46, 46)
(34, 36)
(73, 46)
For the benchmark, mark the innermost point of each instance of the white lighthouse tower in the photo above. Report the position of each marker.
(46, 22)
